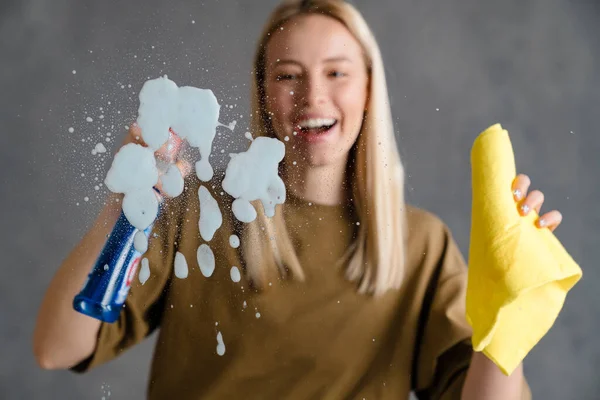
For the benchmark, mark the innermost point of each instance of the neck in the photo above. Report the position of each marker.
(324, 185)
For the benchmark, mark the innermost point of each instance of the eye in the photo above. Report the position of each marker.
(285, 77)
(337, 74)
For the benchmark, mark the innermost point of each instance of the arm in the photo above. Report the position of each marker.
(445, 365)
(485, 381)
(62, 336)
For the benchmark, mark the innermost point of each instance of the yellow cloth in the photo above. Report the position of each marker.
(519, 274)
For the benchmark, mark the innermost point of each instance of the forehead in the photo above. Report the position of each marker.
(310, 39)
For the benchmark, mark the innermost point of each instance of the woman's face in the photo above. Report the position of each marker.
(316, 85)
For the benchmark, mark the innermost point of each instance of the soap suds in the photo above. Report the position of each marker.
(253, 175)
(181, 267)
(133, 173)
(220, 344)
(144, 271)
(234, 241)
(172, 181)
(206, 260)
(235, 274)
(190, 113)
(140, 207)
(210, 214)
(140, 242)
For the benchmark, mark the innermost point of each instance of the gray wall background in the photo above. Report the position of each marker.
(533, 66)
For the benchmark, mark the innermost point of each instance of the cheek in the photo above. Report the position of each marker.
(279, 102)
(352, 102)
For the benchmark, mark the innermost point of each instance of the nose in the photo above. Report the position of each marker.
(314, 92)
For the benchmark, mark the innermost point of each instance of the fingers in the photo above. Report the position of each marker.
(530, 201)
(550, 220)
(520, 186)
(533, 201)
(167, 152)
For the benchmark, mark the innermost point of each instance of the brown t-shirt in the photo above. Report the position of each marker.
(317, 339)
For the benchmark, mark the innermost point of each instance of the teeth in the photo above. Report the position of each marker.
(316, 123)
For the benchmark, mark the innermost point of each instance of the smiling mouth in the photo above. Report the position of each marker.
(316, 126)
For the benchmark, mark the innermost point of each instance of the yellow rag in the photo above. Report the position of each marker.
(519, 274)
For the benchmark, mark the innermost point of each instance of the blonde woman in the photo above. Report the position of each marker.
(346, 293)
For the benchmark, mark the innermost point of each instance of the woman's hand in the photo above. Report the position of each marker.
(169, 152)
(533, 201)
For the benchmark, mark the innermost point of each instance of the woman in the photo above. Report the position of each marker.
(347, 291)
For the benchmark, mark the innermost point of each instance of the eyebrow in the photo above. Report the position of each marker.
(327, 60)
(338, 58)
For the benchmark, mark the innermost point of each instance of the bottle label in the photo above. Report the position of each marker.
(129, 276)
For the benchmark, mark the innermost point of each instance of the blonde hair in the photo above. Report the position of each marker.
(376, 258)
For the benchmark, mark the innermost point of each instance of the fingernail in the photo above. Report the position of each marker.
(525, 208)
(517, 194)
(542, 222)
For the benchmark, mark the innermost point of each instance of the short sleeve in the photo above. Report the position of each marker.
(144, 305)
(443, 347)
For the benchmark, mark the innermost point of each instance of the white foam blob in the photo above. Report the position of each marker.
(133, 168)
(197, 122)
(253, 175)
(206, 260)
(71, 130)
(89, 119)
(159, 99)
(144, 271)
(235, 274)
(198, 117)
(243, 210)
(191, 112)
(204, 170)
(172, 181)
(140, 207)
(100, 148)
(181, 267)
(220, 344)
(234, 241)
(140, 242)
(210, 214)
(249, 136)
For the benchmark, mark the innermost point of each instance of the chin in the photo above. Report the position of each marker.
(324, 159)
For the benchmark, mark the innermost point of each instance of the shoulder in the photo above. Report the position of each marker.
(423, 225)
(429, 242)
